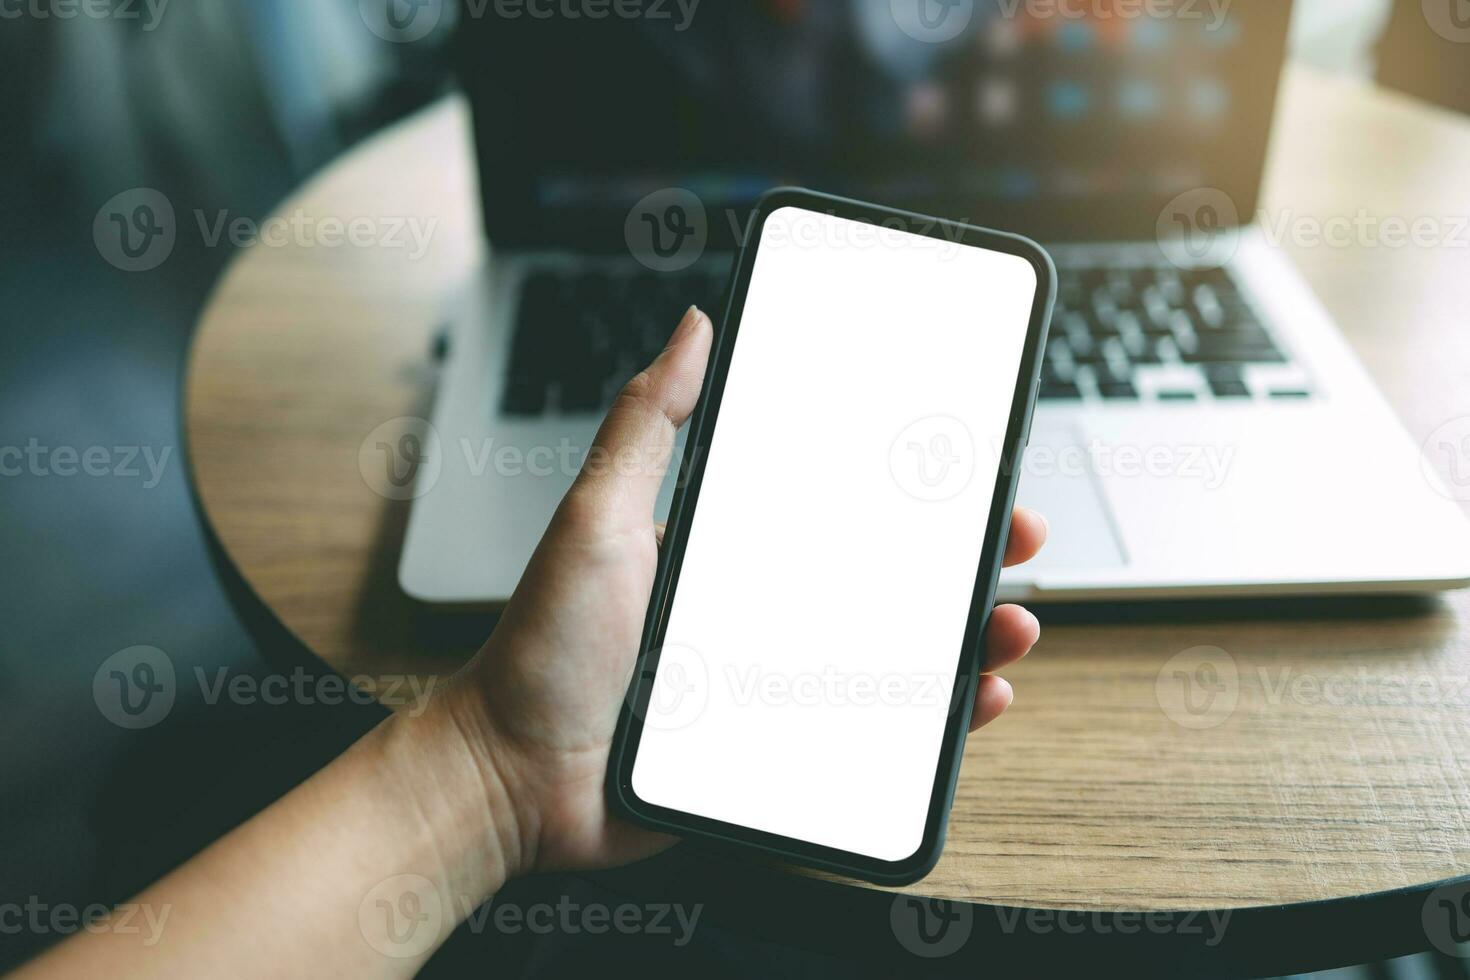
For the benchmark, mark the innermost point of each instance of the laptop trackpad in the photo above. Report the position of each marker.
(1058, 481)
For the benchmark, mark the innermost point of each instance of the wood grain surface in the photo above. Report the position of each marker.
(1342, 765)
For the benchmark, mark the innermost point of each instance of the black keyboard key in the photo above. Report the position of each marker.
(1141, 350)
(1245, 331)
(1291, 395)
(581, 334)
(1102, 326)
(1240, 355)
(1054, 373)
(1159, 327)
(1226, 380)
(1177, 396)
(1117, 390)
(1250, 349)
(1216, 277)
(1148, 355)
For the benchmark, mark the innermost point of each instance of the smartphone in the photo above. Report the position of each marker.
(815, 635)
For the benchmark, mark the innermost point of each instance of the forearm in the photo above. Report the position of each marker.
(361, 871)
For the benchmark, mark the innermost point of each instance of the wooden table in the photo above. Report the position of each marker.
(1087, 795)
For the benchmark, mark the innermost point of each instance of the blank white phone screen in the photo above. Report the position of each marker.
(817, 624)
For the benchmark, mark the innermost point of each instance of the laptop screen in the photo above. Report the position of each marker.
(1062, 119)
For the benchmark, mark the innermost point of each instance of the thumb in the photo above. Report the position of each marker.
(629, 457)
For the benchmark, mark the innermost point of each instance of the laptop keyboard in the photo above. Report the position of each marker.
(581, 333)
(1142, 333)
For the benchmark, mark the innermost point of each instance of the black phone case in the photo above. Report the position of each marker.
(629, 730)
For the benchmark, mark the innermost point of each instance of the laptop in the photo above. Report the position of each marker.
(1203, 428)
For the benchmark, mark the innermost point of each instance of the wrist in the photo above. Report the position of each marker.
(449, 762)
(495, 777)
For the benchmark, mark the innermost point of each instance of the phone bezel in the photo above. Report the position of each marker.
(972, 655)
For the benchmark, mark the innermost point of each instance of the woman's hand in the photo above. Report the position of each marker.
(364, 869)
(539, 703)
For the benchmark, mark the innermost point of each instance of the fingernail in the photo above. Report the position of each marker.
(691, 317)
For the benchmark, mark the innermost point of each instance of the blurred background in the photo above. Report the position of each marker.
(222, 105)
